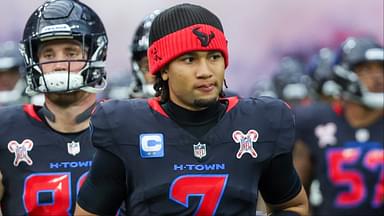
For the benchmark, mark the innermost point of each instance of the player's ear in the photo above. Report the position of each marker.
(164, 74)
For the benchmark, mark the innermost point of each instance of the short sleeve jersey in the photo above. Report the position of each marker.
(171, 172)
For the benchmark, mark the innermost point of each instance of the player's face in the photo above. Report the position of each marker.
(61, 55)
(8, 79)
(371, 74)
(66, 100)
(195, 79)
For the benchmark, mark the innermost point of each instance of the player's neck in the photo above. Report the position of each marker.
(66, 119)
(185, 116)
(360, 116)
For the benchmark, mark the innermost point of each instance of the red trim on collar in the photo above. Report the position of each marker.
(154, 103)
(30, 110)
(232, 102)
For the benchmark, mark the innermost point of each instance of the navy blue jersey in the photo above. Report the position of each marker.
(42, 169)
(348, 162)
(171, 172)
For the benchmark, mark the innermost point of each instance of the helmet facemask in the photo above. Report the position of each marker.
(352, 53)
(90, 77)
(65, 20)
(353, 89)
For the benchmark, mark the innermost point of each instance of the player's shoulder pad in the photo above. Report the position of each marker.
(278, 118)
(275, 110)
(116, 111)
(10, 114)
(313, 112)
(11, 118)
(110, 118)
(117, 106)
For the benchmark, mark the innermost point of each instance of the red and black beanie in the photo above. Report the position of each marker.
(181, 29)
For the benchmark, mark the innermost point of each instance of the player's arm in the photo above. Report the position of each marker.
(81, 212)
(1, 190)
(281, 188)
(1, 187)
(298, 205)
(302, 155)
(280, 185)
(303, 163)
(104, 189)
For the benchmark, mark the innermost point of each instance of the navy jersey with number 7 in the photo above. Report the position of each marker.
(169, 171)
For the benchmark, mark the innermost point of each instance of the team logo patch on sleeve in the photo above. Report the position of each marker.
(21, 151)
(151, 145)
(246, 142)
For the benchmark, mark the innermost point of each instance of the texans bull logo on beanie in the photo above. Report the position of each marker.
(181, 29)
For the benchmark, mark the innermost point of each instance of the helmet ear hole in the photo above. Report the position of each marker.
(65, 20)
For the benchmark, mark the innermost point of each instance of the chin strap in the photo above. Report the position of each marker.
(48, 114)
(79, 118)
(86, 114)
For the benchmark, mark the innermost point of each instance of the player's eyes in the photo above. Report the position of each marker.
(187, 59)
(216, 56)
(72, 55)
(47, 55)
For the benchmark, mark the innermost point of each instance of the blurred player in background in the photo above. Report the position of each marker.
(141, 82)
(290, 83)
(45, 151)
(12, 72)
(263, 88)
(344, 156)
(319, 69)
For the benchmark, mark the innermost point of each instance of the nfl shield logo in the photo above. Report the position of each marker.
(73, 148)
(199, 150)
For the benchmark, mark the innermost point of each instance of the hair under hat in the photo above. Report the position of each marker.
(181, 29)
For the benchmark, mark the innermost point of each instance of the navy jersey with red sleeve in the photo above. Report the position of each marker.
(171, 172)
(348, 162)
(42, 169)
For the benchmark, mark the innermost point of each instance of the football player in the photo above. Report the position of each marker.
(319, 69)
(290, 83)
(45, 151)
(141, 85)
(12, 83)
(190, 151)
(343, 158)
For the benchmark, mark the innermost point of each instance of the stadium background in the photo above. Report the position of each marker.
(259, 32)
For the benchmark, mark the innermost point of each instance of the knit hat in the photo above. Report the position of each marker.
(181, 29)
